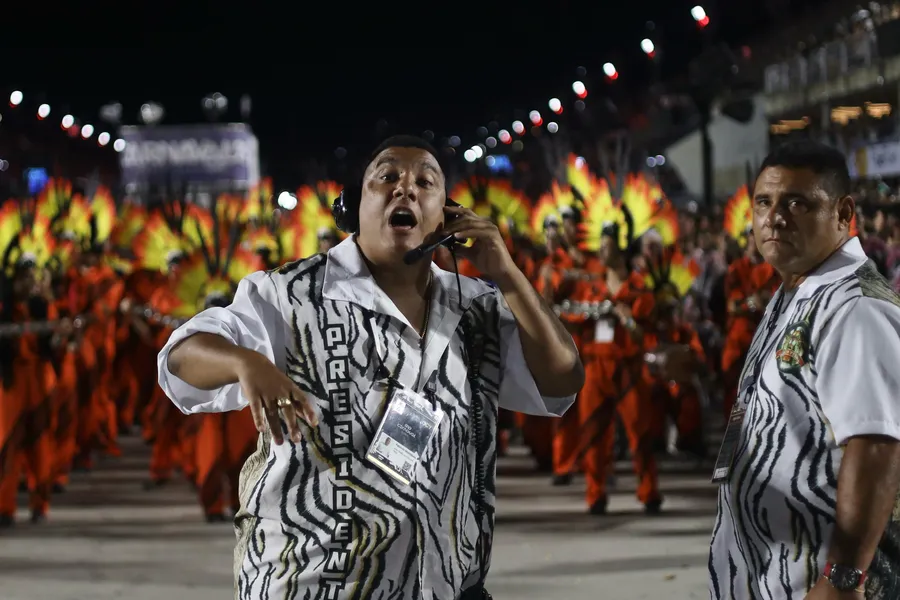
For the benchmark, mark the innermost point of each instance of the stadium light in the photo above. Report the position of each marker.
(610, 70)
(700, 16)
(579, 89)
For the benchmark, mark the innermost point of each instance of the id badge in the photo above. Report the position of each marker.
(604, 331)
(725, 459)
(403, 435)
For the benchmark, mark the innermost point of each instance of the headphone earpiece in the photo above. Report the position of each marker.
(345, 211)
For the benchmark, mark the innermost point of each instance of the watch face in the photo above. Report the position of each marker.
(844, 578)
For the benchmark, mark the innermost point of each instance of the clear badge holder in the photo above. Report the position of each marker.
(401, 439)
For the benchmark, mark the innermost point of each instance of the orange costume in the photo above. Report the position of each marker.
(563, 280)
(748, 286)
(26, 431)
(678, 401)
(66, 402)
(613, 385)
(164, 425)
(98, 291)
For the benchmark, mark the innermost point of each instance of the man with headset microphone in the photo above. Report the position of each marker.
(375, 378)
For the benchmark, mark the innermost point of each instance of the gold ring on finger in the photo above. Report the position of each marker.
(283, 402)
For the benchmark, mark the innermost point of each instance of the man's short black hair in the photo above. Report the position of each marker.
(404, 141)
(825, 161)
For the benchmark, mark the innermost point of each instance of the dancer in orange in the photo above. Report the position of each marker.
(749, 285)
(28, 392)
(675, 388)
(66, 400)
(561, 279)
(620, 305)
(214, 446)
(101, 291)
(163, 424)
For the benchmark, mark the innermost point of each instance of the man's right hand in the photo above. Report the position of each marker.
(263, 385)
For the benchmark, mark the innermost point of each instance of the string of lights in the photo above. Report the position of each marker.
(481, 150)
(68, 123)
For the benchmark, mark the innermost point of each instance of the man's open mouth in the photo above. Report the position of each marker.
(402, 218)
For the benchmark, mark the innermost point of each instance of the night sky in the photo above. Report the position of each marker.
(448, 73)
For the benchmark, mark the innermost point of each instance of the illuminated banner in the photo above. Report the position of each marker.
(214, 153)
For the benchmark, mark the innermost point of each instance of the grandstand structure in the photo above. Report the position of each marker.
(843, 89)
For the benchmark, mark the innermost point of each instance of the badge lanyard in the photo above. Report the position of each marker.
(410, 420)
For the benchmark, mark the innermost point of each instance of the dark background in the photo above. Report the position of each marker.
(323, 76)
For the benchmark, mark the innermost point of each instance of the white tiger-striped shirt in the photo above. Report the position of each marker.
(824, 366)
(317, 520)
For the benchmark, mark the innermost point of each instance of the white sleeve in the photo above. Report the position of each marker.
(253, 320)
(858, 380)
(518, 392)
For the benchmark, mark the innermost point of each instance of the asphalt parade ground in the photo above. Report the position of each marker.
(107, 538)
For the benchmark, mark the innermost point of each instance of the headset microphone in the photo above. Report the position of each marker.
(420, 252)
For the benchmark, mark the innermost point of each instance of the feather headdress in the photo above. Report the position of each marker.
(210, 275)
(472, 193)
(157, 245)
(508, 208)
(310, 219)
(649, 208)
(671, 275)
(25, 235)
(737, 216)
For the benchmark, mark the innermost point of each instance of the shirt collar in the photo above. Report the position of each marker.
(843, 261)
(348, 279)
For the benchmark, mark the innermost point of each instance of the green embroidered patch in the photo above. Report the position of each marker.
(793, 352)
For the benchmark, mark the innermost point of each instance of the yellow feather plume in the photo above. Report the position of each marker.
(36, 243)
(198, 226)
(260, 206)
(600, 211)
(311, 217)
(76, 222)
(738, 219)
(10, 223)
(257, 239)
(54, 198)
(103, 210)
(129, 223)
(580, 179)
(156, 244)
(682, 273)
(24, 234)
(509, 208)
(473, 193)
(198, 281)
(545, 209)
(649, 208)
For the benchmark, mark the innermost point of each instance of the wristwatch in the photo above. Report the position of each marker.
(844, 578)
